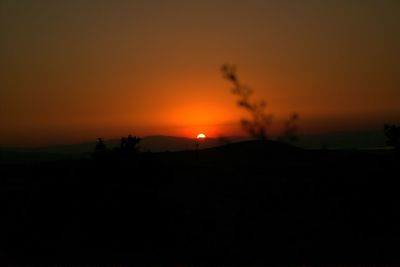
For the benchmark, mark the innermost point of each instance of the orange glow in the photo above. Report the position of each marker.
(134, 69)
(201, 136)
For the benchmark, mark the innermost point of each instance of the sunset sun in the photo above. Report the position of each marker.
(201, 136)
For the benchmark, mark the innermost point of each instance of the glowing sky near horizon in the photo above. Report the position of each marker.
(74, 70)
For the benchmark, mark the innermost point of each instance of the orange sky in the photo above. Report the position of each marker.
(74, 70)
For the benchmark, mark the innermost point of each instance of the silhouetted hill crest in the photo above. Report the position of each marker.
(255, 146)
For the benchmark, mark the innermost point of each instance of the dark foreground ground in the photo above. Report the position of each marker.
(252, 202)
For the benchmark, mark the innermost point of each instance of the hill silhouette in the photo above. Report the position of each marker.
(337, 140)
(255, 148)
(253, 202)
(157, 143)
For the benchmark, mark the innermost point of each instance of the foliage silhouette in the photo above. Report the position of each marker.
(260, 121)
(257, 127)
(128, 148)
(130, 144)
(100, 150)
(392, 133)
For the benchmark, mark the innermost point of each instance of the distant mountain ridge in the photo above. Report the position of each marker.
(162, 143)
(156, 143)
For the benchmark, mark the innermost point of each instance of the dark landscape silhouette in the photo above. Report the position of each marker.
(251, 202)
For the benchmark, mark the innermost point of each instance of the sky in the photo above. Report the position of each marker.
(74, 70)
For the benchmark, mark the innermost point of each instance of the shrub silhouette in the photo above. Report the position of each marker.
(130, 144)
(260, 121)
(258, 125)
(100, 149)
(392, 133)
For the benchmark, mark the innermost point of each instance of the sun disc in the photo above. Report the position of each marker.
(201, 136)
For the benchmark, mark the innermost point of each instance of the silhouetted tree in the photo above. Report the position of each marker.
(392, 133)
(100, 149)
(260, 121)
(130, 144)
(258, 125)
